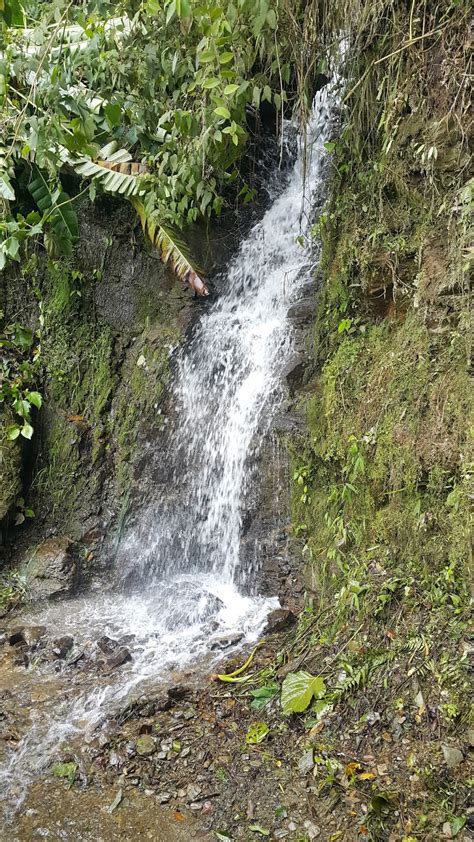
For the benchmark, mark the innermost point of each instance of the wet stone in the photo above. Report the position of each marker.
(107, 645)
(226, 641)
(118, 659)
(17, 636)
(278, 620)
(33, 634)
(62, 645)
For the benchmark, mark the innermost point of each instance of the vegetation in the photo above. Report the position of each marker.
(383, 478)
(89, 88)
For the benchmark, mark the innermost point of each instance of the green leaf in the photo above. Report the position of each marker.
(113, 114)
(206, 56)
(57, 209)
(211, 83)
(65, 770)
(457, 824)
(27, 431)
(222, 111)
(257, 828)
(256, 733)
(225, 58)
(171, 12)
(6, 189)
(35, 398)
(298, 690)
(13, 431)
(230, 89)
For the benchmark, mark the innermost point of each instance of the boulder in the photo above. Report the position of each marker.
(54, 570)
(303, 312)
(294, 373)
(278, 620)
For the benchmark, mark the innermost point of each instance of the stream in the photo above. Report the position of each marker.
(189, 585)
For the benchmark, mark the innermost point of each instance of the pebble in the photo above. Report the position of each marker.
(192, 792)
(306, 762)
(453, 756)
(312, 830)
(164, 797)
(145, 745)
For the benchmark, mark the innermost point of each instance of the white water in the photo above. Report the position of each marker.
(190, 582)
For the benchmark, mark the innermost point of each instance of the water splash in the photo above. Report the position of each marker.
(186, 550)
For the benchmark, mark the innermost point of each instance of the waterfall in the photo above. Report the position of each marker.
(190, 584)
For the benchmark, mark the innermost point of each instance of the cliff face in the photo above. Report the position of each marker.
(382, 473)
(108, 320)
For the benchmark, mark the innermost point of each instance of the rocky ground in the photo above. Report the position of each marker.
(203, 758)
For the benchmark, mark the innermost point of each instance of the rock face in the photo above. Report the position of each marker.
(54, 570)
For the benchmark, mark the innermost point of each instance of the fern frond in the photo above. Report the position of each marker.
(57, 207)
(172, 248)
(123, 183)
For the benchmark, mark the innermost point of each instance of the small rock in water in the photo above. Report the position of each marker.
(306, 762)
(62, 645)
(145, 745)
(452, 756)
(226, 640)
(107, 645)
(120, 657)
(279, 620)
(17, 636)
(33, 634)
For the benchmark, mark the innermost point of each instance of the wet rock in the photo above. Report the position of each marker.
(54, 570)
(33, 635)
(16, 636)
(294, 373)
(145, 745)
(3, 638)
(121, 656)
(62, 645)
(278, 620)
(306, 762)
(303, 312)
(226, 640)
(178, 692)
(452, 756)
(107, 645)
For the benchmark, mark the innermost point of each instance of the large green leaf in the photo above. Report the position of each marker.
(298, 689)
(169, 243)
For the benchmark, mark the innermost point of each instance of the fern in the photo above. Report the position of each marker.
(172, 248)
(57, 209)
(124, 183)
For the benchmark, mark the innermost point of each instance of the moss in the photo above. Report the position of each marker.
(10, 465)
(102, 392)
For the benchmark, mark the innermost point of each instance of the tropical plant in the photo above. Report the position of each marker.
(149, 101)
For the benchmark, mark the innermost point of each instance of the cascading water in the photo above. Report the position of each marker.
(190, 584)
